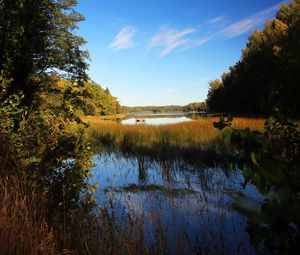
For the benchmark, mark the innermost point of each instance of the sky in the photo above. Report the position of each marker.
(162, 52)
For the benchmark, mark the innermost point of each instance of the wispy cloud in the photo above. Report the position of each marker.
(234, 29)
(195, 43)
(124, 39)
(169, 39)
(247, 24)
(215, 20)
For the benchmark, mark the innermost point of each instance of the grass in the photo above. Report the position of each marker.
(188, 135)
(23, 228)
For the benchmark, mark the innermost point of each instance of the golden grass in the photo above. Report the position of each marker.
(23, 229)
(188, 134)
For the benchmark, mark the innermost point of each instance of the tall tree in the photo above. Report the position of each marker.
(268, 73)
(37, 44)
(36, 41)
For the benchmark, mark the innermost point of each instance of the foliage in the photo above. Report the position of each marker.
(195, 107)
(89, 99)
(268, 73)
(99, 101)
(271, 161)
(37, 40)
(37, 48)
(153, 109)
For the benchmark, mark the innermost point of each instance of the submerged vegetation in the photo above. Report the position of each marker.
(134, 188)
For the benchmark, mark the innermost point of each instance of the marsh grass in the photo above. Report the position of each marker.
(23, 228)
(187, 138)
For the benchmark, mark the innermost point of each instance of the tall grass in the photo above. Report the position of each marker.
(23, 228)
(189, 135)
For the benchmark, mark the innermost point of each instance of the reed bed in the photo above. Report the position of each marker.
(188, 135)
(23, 226)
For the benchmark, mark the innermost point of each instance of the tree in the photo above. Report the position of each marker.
(214, 95)
(37, 41)
(37, 46)
(268, 74)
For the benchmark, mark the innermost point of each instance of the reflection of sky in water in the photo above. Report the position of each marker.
(203, 218)
(156, 121)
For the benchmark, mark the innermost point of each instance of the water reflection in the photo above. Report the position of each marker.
(156, 120)
(162, 118)
(190, 205)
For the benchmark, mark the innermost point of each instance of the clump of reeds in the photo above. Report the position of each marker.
(23, 229)
(195, 135)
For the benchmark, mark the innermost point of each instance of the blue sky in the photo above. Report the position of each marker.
(161, 52)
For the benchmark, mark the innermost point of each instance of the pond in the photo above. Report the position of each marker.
(193, 208)
(162, 118)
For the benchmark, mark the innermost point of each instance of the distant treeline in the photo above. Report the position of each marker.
(91, 99)
(199, 106)
(267, 76)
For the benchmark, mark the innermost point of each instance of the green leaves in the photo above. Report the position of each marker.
(271, 161)
(37, 41)
(223, 123)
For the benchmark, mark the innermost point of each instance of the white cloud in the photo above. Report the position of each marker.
(124, 39)
(195, 43)
(215, 20)
(234, 29)
(247, 24)
(168, 39)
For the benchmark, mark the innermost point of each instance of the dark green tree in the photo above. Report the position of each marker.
(37, 46)
(37, 41)
(267, 75)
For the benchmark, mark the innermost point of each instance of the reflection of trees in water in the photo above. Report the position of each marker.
(186, 199)
(166, 170)
(142, 169)
(167, 180)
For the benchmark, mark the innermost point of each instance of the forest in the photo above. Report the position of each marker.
(267, 76)
(192, 107)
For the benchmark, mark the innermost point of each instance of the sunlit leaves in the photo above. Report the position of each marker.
(267, 75)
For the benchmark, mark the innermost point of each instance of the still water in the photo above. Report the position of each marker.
(161, 118)
(190, 205)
